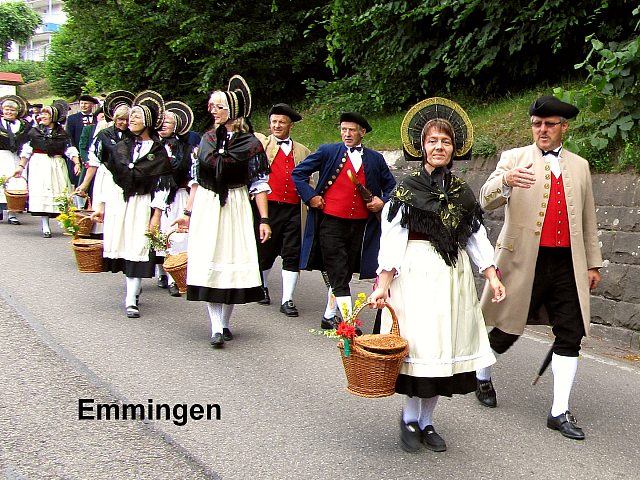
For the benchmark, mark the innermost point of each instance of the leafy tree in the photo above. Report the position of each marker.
(29, 69)
(17, 23)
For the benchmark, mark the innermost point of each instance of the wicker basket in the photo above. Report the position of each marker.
(83, 216)
(17, 199)
(88, 255)
(176, 265)
(373, 374)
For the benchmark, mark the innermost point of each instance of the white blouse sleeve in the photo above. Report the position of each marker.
(393, 242)
(27, 150)
(480, 250)
(261, 184)
(159, 199)
(71, 152)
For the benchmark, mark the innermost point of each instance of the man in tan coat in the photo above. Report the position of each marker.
(285, 208)
(547, 251)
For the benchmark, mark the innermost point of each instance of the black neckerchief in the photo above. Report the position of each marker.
(441, 206)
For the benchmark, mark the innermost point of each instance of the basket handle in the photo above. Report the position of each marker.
(87, 205)
(177, 230)
(395, 327)
(17, 178)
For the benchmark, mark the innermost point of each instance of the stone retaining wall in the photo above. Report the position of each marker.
(615, 304)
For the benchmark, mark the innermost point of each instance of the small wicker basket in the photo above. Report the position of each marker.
(83, 216)
(88, 255)
(374, 361)
(176, 265)
(16, 199)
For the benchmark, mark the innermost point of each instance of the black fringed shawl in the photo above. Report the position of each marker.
(53, 141)
(180, 166)
(229, 163)
(440, 206)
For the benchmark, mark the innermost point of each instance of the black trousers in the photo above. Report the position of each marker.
(554, 286)
(286, 237)
(341, 247)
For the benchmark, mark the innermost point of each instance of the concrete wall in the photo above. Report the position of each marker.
(615, 304)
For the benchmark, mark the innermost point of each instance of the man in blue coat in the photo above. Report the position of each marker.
(342, 232)
(76, 122)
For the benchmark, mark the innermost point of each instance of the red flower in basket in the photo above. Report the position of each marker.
(348, 329)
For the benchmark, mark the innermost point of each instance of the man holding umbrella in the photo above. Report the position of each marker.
(548, 252)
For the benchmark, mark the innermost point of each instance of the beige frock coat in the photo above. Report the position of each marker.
(517, 245)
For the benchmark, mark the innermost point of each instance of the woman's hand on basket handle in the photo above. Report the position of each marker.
(499, 292)
(98, 214)
(381, 293)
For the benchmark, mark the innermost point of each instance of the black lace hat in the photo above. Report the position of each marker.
(428, 109)
(152, 105)
(115, 100)
(238, 97)
(183, 113)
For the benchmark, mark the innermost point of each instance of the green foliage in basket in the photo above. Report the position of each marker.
(3, 180)
(156, 240)
(68, 219)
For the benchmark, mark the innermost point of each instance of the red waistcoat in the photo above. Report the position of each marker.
(342, 198)
(282, 187)
(555, 230)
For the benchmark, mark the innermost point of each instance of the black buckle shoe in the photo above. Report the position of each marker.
(226, 334)
(266, 300)
(163, 281)
(289, 309)
(567, 424)
(217, 340)
(173, 290)
(432, 440)
(486, 394)
(410, 436)
(330, 323)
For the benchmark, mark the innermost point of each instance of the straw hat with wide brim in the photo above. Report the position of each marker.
(153, 107)
(238, 97)
(183, 113)
(428, 109)
(21, 102)
(115, 100)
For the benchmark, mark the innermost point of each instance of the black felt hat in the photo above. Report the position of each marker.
(428, 109)
(355, 117)
(21, 102)
(284, 109)
(550, 106)
(115, 100)
(88, 98)
(36, 105)
(238, 97)
(183, 113)
(152, 105)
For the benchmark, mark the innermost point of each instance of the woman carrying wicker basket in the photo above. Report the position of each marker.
(45, 153)
(430, 227)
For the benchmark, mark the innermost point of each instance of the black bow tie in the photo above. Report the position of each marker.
(550, 152)
(280, 142)
(353, 149)
(11, 122)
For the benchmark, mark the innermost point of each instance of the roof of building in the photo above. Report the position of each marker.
(7, 78)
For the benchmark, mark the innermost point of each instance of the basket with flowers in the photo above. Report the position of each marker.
(68, 217)
(156, 240)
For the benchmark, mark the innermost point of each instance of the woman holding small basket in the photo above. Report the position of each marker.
(430, 227)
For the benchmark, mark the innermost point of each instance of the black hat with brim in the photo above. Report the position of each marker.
(550, 106)
(355, 117)
(238, 97)
(428, 109)
(59, 111)
(284, 109)
(88, 98)
(115, 100)
(183, 113)
(21, 102)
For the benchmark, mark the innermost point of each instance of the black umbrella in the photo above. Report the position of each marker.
(543, 367)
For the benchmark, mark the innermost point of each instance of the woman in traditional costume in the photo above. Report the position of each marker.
(231, 166)
(430, 227)
(45, 154)
(136, 163)
(178, 118)
(13, 133)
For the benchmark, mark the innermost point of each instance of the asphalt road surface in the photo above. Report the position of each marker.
(279, 389)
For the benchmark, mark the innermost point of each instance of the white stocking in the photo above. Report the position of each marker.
(133, 285)
(484, 374)
(215, 316)
(289, 281)
(227, 310)
(331, 310)
(411, 410)
(45, 224)
(564, 372)
(427, 406)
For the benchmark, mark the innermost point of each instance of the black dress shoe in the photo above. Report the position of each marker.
(217, 340)
(174, 291)
(432, 440)
(410, 436)
(289, 309)
(567, 425)
(13, 221)
(266, 300)
(486, 393)
(162, 281)
(329, 323)
(226, 334)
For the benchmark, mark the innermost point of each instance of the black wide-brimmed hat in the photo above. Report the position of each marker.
(238, 97)
(284, 109)
(355, 117)
(88, 98)
(152, 105)
(183, 113)
(428, 109)
(59, 111)
(115, 100)
(550, 106)
(21, 102)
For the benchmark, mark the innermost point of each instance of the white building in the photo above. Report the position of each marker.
(37, 48)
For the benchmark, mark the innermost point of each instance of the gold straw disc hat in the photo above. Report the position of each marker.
(183, 113)
(152, 105)
(116, 99)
